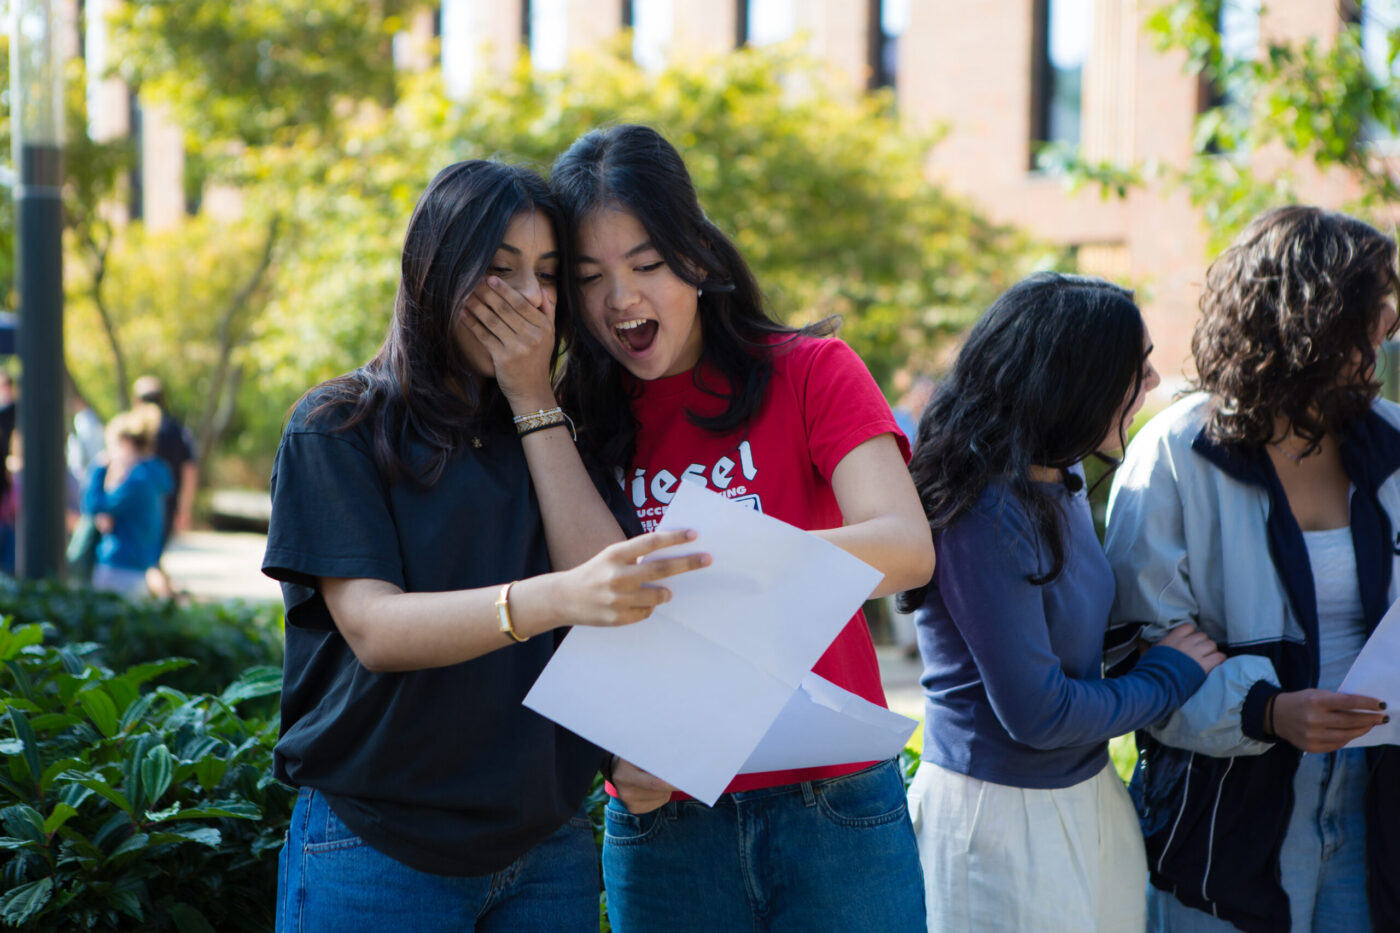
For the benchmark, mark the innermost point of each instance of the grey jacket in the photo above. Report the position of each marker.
(1194, 535)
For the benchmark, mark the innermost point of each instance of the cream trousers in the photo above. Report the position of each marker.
(1011, 859)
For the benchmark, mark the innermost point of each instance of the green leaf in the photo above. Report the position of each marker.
(23, 902)
(204, 835)
(209, 771)
(99, 785)
(141, 673)
(61, 814)
(241, 809)
(255, 682)
(133, 843)
(135, 711)
(10, 842)
(31, 744)
(188, 919)
(156, 771)
(24, 822)
(98, 706)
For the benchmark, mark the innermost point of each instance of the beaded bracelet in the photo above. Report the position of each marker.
(538, 420)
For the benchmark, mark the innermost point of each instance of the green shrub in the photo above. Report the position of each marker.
(222, 639)
(127, 806)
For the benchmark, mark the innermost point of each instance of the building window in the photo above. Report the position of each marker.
(741, 23)
(546, 32)
(1239, 42)
(769, 21)
(136, 201)
(1378, 19)
(627, 14)
(1061, 33)
(888, 20)
(459, 47)
(652, 26)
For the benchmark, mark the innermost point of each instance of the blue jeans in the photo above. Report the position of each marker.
(1323, 862)
(331, 880)
(837, 854)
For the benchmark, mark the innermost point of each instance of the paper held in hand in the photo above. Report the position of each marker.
(717, 681)
(1376, 673)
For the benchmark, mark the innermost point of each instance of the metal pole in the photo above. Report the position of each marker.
(36, 86)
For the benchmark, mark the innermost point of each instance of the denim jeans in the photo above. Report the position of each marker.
(1323, 863)
(330, 880)
(837, 854)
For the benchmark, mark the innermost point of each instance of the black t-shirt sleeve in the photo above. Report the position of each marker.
(330, 518)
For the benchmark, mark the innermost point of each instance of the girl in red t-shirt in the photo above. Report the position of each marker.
(681, 376)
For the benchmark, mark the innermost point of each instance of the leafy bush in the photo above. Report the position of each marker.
(124, 809)
(222, 639)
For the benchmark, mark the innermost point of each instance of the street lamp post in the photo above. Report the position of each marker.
(36, 122)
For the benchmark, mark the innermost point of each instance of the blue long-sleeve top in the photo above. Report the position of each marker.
(137, 507)
(1013, 671)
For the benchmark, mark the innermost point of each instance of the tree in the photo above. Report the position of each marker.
(1330, 104)
(823, 190)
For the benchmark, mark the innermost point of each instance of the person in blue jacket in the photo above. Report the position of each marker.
(1021, 820)
(126, 498)
(1265, 508)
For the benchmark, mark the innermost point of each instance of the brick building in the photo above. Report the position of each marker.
(1002, 77)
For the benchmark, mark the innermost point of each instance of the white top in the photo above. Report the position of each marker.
(1341, 626)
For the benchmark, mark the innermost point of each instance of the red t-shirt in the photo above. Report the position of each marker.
(820, 405)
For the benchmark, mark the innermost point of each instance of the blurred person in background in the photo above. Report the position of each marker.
(125, 497)
(174, 444)
(1265, 507)
(85, 446)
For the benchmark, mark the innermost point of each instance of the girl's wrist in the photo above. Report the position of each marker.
(533, 606)
(531, 401)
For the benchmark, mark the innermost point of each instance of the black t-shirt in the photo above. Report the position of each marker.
(442, 769)
(174, 445)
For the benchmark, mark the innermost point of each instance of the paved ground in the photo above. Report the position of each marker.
(224, 565)
(213, 565)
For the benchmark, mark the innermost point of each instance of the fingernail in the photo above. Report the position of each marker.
(1385, 720)
(1383, 706)
(691, 534)
(493, 281)
(706, 560)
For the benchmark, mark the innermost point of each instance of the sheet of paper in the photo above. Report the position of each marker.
(688, 693)
(1376, 673)
(823, 724)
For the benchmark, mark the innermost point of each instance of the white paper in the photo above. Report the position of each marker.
(823, 724)
(1376, 673)
(688, 693)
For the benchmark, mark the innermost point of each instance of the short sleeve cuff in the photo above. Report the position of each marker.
(1252, 713)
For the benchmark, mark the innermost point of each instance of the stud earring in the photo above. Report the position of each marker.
(699, 291)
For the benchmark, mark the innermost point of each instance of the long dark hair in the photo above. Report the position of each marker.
(419, 388)
(634, 168)
(1288, 312)
(1040, 380)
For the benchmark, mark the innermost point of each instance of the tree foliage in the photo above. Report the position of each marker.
(1325, 102)
(822, 189)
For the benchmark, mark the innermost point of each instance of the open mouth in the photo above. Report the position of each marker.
(636, 335)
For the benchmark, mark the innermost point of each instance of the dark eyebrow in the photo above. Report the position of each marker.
(552, 254)
(639, 248)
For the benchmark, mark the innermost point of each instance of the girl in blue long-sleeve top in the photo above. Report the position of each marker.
(1022, 822)
(126, 497)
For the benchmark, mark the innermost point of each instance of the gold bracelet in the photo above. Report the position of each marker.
(503, 613)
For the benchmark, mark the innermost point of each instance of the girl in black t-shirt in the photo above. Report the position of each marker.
(420, 504)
